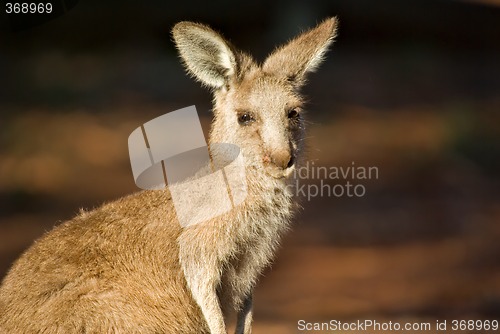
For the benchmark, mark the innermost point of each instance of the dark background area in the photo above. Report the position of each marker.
(411, 87)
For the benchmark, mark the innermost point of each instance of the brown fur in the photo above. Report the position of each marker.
(128, 266)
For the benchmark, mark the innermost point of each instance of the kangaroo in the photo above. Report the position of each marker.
(129, 266)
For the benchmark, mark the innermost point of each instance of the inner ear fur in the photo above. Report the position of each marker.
(207, 56)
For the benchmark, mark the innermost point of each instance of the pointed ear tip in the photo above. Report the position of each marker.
(181, 26)
(331, 23)
(177, 28)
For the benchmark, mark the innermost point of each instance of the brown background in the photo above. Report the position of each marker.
(410, 87)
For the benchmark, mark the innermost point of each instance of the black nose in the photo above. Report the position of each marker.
(291, 162)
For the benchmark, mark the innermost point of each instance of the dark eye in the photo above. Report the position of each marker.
(293, 113)
(245, 119)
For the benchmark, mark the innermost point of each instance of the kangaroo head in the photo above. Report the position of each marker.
(257, 107)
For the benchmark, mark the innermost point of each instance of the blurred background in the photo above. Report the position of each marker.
(411, 87)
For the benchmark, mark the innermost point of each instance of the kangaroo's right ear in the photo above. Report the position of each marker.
(206, 55)
(303, 54)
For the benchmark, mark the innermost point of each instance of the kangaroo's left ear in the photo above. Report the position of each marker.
(303, 54)
(206, 54)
